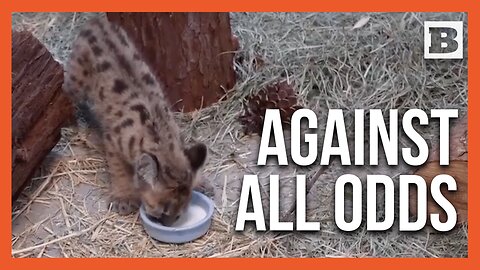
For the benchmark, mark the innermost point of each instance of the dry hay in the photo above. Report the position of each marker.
(379, 64)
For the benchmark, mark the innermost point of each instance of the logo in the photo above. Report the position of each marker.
(443, 40)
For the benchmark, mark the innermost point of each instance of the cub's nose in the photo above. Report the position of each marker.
(168, 220)
(154, 218)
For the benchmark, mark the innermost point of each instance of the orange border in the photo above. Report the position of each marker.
(470, 6)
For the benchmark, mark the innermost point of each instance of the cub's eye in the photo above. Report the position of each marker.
(172, 189)
(149, 205)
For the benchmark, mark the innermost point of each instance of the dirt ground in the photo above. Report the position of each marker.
(64, 212)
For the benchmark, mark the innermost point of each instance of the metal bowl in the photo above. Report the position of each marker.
(192, 227)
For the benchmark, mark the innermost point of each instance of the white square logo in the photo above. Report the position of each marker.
(443, 39)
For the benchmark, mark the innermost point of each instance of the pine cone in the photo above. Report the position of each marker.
(280, 96)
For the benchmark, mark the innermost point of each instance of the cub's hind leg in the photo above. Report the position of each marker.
(123, 195)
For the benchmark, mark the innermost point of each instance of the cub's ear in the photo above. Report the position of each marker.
(146, 170)
(197, 155)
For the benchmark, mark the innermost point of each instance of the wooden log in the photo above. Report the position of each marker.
(458, 169)
(39, 106)
(191, 53)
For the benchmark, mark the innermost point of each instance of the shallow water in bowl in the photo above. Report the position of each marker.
(193, 215)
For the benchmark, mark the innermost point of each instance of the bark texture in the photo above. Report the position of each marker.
(191, 53)
(39, 106)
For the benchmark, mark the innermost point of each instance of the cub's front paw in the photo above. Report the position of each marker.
(125, 206)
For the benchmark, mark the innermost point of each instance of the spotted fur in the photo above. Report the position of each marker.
(147, 160)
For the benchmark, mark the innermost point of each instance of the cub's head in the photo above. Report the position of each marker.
(166, 187)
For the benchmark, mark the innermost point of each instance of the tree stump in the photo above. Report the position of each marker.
(191, 53)
(458, 169)
(39, 106)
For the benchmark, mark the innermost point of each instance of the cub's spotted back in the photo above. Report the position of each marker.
(147, 160)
